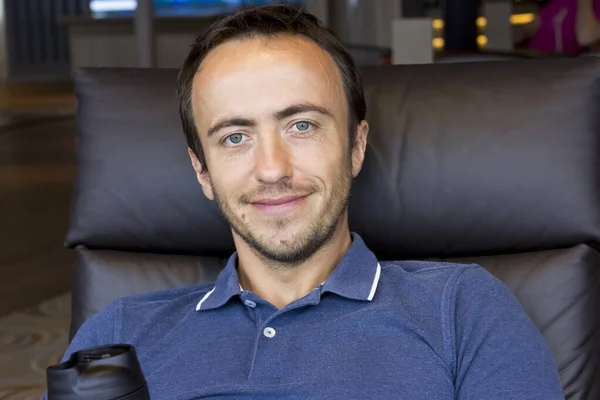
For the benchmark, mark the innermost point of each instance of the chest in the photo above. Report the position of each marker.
(303, 353)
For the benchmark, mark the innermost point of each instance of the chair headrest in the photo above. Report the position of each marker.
(463, 159)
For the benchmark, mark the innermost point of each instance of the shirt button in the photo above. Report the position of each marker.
(269, 332)
(250, 303)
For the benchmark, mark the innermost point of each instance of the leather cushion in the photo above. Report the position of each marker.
(463, 159)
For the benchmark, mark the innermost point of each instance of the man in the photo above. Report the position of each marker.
(274, 114)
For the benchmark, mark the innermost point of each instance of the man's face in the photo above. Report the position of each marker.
(273, 123)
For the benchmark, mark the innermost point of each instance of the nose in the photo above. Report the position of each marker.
(273, 160)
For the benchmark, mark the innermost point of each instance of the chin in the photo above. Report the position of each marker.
(281, 240)
(290, 245)
(284, 254)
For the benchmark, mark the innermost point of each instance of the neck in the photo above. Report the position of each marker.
(282, 284)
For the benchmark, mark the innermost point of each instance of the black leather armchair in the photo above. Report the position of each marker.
(496, 163)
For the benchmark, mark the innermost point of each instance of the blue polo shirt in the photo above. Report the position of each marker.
(372, 330)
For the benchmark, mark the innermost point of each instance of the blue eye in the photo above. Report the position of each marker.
(302, 126)
(235, 138)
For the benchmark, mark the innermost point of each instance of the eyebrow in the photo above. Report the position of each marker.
(300, 108)
(226, 123)
(278, 115)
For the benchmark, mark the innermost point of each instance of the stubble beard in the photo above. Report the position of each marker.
(294, 251)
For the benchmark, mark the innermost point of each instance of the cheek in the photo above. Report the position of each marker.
(230, 173)
(224, 187)
(230, 190)
(324, 159)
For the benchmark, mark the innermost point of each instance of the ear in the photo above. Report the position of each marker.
(201, 175)
(359, 148)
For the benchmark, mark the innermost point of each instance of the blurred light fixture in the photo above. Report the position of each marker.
(99, 6)
(482, 40)
(515, 19)
(438, 43)
(522, 19)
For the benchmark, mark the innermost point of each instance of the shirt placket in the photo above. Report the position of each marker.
(269, 331)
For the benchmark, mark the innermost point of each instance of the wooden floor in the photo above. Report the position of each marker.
(37, 137)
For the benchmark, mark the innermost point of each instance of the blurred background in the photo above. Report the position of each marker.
(43, 41)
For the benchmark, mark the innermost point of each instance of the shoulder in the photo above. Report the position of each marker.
(141, 319)
(127, 311)
(449, 290)
(431, 273)
(421, 295)
(422, 286)
(437, 285)
(157, 300)
(446, 278)
(133, 319)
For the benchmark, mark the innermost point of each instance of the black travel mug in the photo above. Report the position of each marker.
(98, 373)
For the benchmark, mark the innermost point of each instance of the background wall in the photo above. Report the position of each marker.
(36, 46)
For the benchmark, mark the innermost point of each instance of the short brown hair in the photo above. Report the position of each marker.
(267, 20)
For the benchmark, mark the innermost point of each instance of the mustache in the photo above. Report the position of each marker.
(279, 189)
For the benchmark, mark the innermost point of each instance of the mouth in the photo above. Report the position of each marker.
(280, 205)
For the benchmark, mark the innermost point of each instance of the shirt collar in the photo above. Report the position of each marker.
(356, 277)
(226, 286)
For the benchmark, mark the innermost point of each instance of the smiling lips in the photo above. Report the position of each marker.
(280, 205)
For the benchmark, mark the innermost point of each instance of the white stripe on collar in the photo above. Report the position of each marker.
(370, 298)
(375, 283)
(206, 296)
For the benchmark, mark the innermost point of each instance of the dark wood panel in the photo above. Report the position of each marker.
(37, 164)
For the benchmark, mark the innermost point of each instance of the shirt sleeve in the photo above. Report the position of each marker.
(100, 329)
(499, 353)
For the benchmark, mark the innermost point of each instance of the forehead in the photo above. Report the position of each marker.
(254, 74)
